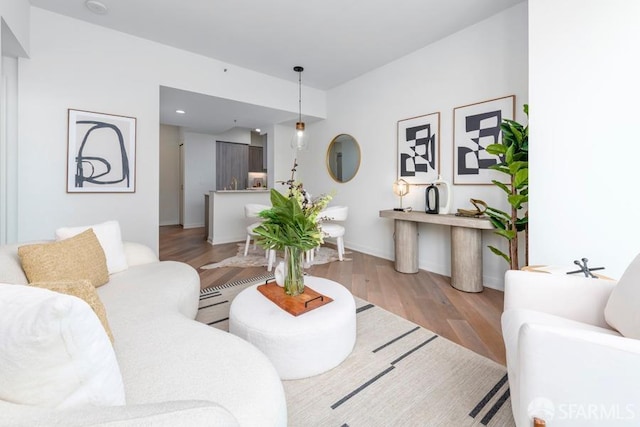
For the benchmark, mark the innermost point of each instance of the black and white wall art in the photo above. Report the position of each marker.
(476, 126)
(419, 149)
(101, 153)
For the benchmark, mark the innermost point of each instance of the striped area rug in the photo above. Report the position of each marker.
(399, 374)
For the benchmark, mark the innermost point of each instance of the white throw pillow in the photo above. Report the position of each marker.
(110, 238)
(621, 311)
(54, 351)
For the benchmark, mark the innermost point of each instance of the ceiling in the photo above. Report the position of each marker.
(335, 40)
(213, 115)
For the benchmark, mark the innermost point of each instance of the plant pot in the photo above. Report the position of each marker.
(294, 270)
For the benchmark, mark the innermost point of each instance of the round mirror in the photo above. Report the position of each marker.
(343, 158)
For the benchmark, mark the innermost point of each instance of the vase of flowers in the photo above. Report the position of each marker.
(292, 225)
(294, 270)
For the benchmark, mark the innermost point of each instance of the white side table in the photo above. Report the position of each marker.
(302, 346)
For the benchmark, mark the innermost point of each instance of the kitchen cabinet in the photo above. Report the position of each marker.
(232, 166)
(255, 159)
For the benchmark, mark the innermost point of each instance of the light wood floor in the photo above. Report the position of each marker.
(427, 299)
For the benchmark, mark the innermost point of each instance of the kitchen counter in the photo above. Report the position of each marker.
(224, 213)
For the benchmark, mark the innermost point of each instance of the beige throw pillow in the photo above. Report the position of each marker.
(84, 290)
(77, 258)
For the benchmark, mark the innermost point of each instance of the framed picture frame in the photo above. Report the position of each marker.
(101, 153)
(475, 126)
(418, 160)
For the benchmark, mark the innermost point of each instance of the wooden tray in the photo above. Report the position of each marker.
(296, 305)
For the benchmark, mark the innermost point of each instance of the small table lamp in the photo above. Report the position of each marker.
(401, 189)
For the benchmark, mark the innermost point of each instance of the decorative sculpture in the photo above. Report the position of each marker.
(584, 268)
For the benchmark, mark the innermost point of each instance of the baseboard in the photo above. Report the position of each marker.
(369, 251)
(488, 281)
(197, 225)
(228, 239)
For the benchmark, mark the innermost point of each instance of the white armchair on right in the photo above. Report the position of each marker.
(573, 348)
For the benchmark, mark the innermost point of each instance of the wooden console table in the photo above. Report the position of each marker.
(466, 245)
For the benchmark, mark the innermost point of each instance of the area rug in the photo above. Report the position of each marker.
(256, 258)
(399, 374)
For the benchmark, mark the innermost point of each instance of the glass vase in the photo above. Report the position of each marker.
(294, 273)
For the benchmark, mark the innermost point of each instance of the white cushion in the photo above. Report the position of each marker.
(173, 413)
(332, 230)
(54, 352)
(514, 321)
(110, 238)
(621, 311)
(159, 342)
(10, 267)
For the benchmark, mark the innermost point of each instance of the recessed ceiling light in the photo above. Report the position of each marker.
(96, 7)
(180, 111)
(258, 130)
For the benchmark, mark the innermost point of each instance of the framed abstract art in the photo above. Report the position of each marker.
(101, 153)
(476, 126)
(419, 149)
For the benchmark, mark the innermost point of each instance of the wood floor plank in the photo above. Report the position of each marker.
(468, 337)
(425, 298)
(470, 309)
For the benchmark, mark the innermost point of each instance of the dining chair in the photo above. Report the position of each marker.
(252, 210)
(329, 227)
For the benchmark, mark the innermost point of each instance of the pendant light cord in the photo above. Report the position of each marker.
(298, 69)
(299, 96)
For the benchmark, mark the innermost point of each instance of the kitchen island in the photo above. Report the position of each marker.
(224, 213)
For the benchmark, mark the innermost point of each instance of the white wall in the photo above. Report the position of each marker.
(199, 151)
(257, 139)
(485, 61)
(281, 157)
(584, 89)
(93, 68)
(169, 175)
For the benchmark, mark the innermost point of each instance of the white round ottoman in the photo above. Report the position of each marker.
(298, 346)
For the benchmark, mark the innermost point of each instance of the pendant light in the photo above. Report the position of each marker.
(300, 139)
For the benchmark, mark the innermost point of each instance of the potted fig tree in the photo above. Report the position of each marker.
(514, 155)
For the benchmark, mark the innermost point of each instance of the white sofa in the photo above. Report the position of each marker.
(176, 371)
(573, 348)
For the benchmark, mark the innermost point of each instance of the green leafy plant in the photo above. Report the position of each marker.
(514, 156)
(293, 219)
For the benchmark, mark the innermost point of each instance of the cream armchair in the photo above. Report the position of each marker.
(566, 363)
